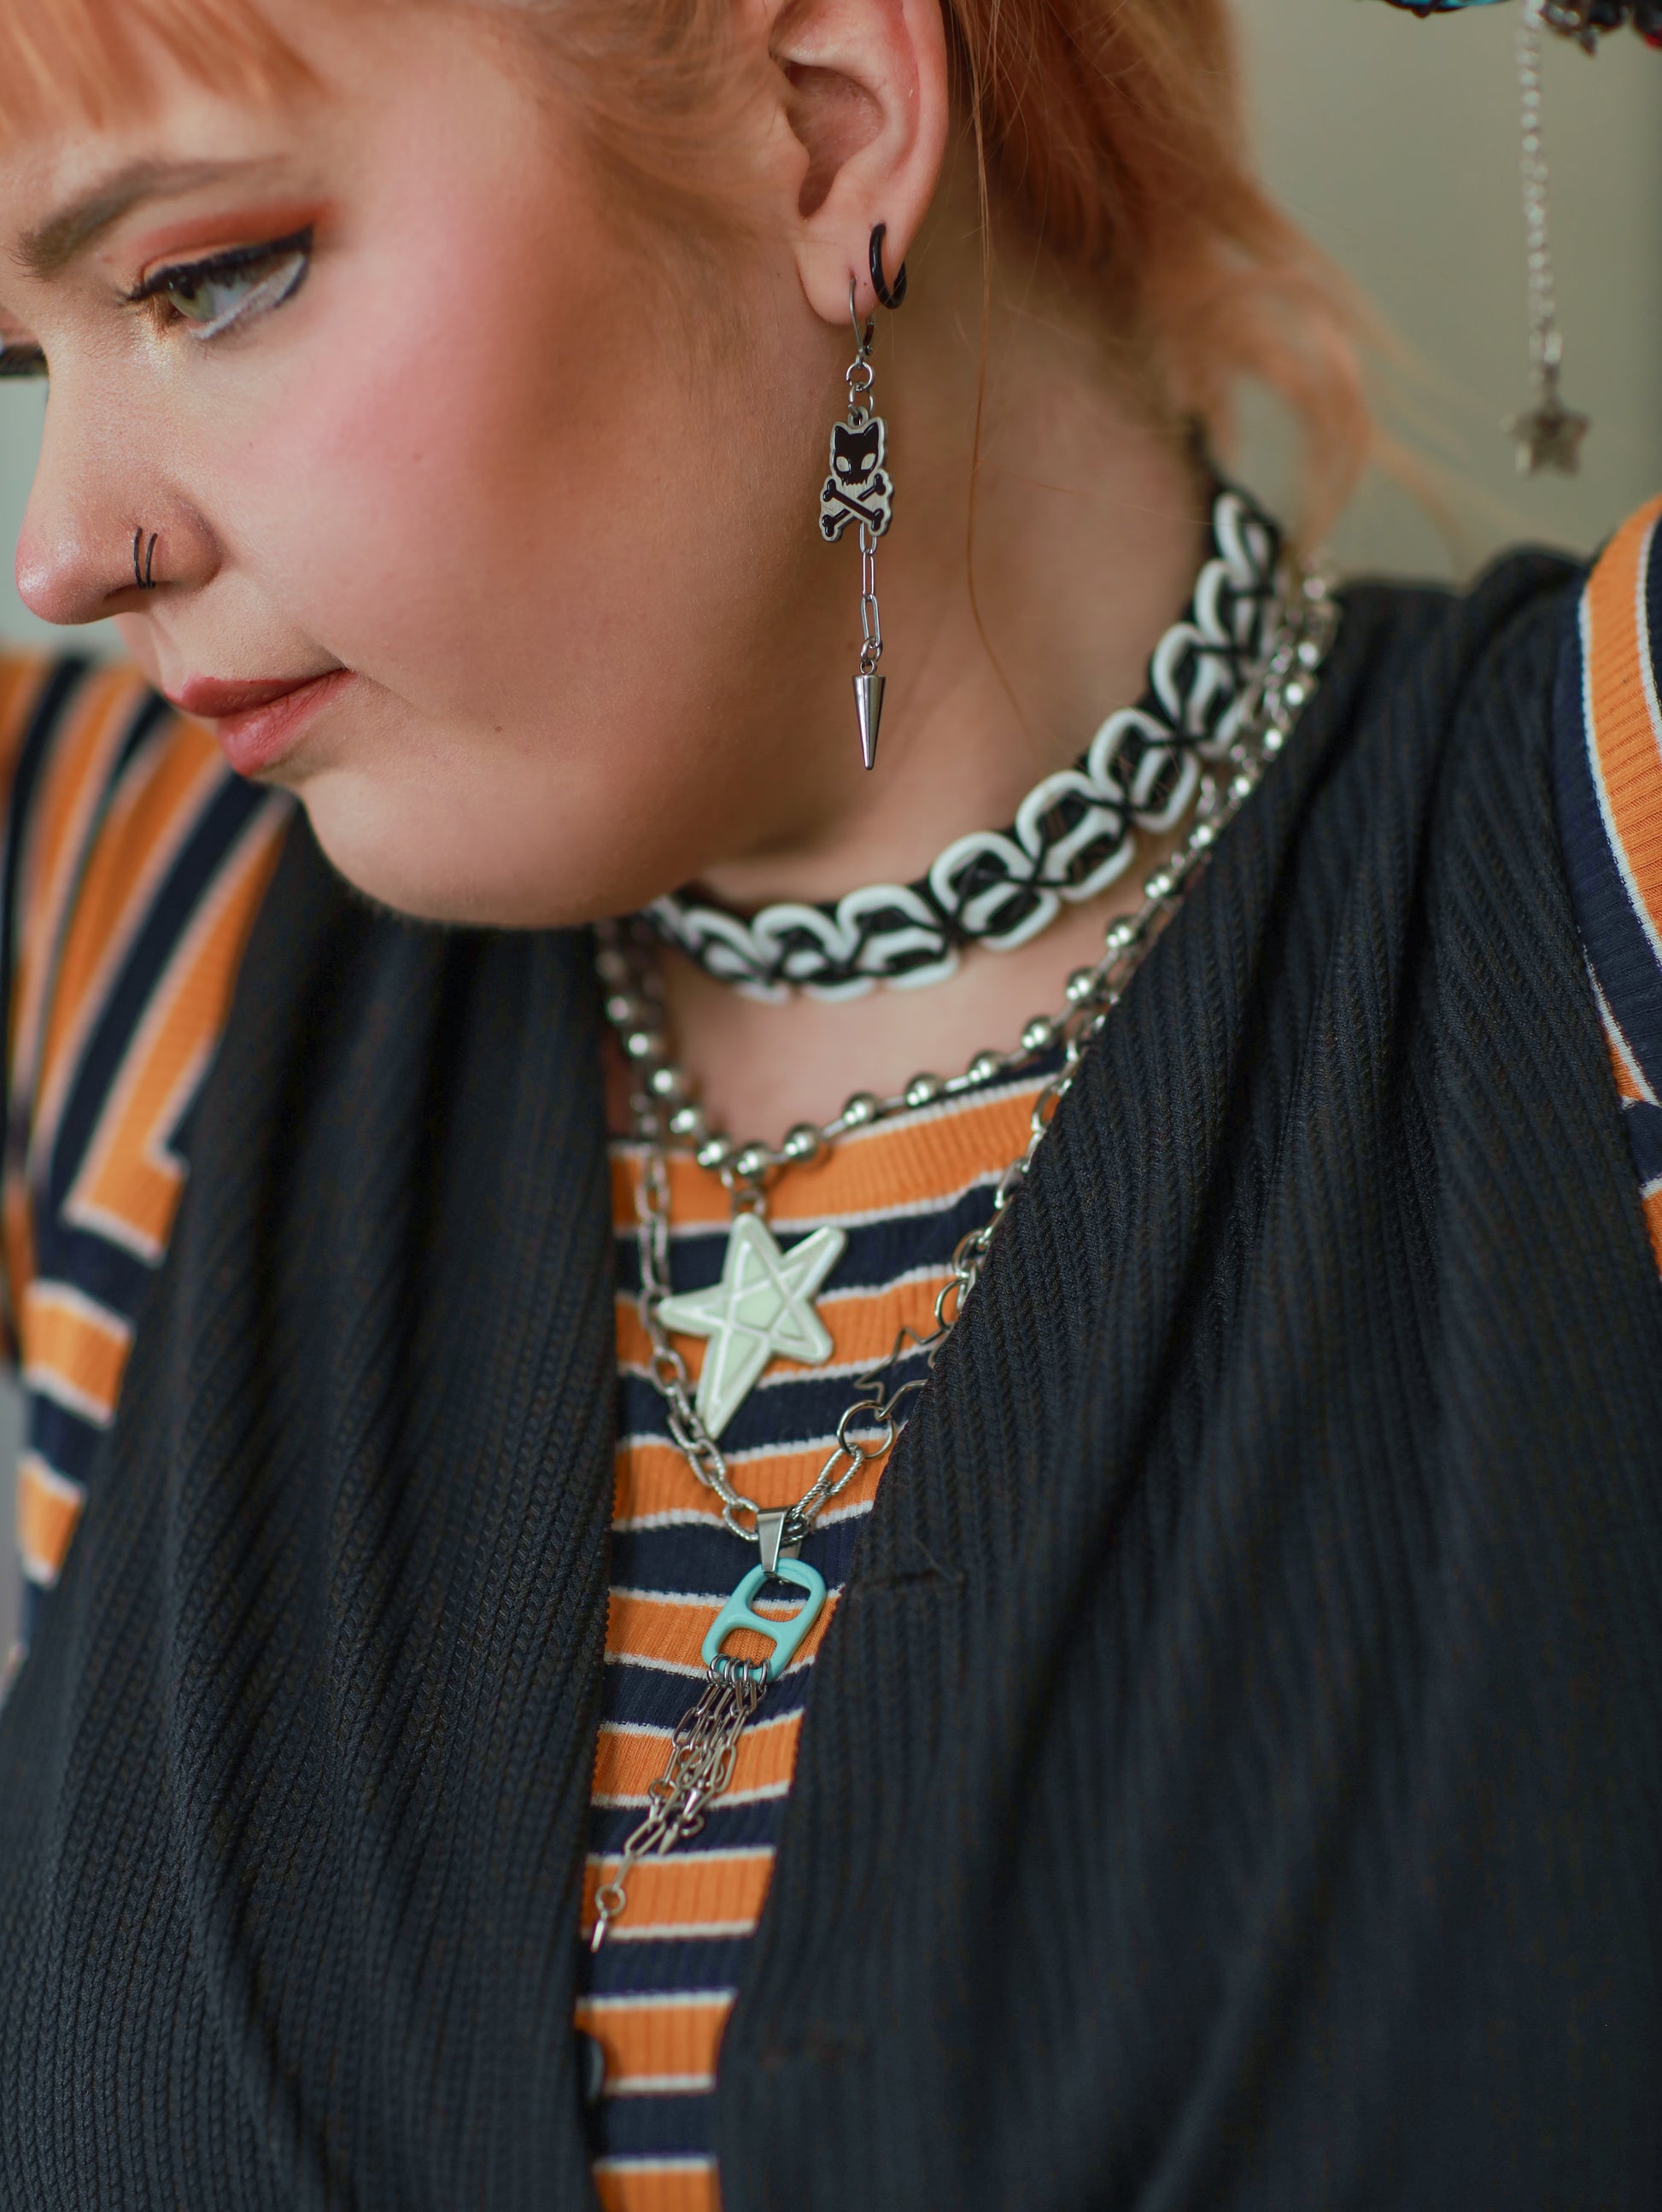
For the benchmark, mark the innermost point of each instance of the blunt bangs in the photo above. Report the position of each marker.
(93, 60)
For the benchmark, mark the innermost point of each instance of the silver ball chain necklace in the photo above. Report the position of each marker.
(764, 1308)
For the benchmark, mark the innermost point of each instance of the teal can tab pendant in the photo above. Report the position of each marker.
(785, 1635)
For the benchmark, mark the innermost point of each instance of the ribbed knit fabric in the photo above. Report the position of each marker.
(1232, 1776)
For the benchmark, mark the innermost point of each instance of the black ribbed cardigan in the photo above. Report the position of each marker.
(1233, 1777)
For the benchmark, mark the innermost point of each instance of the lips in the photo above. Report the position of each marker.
(258, 725)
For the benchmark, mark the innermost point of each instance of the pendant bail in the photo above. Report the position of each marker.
(769, 1539)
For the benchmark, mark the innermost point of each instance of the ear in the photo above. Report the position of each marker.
(866, 99)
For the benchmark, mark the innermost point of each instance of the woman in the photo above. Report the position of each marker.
(1232, 1772)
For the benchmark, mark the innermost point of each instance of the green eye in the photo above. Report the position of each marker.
(230, 288)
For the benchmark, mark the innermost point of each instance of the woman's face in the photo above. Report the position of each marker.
(430, 423)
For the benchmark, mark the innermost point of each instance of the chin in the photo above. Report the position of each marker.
(431, 863)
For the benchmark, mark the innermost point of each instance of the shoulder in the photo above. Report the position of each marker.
(1442, 647)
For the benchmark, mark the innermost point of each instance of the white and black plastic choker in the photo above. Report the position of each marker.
(1075, 833)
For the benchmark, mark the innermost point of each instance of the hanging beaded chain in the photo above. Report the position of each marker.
(1548, 434)
(704, 1748)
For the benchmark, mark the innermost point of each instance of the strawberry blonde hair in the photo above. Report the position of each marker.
(1113, 129)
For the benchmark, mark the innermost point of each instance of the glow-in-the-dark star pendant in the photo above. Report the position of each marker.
(761, 1309)
(1548, 436)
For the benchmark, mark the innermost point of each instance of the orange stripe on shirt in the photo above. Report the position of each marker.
(74, 1349)
(1652, 1202)
(129, 1182)
(19, 1245)
(23, 679)
(863, 1326)
(664, 2185)
(917, 1160)
(1627, 741)
(48, 1513)
(700, 1894)
(658, 2039)
(652, 1481)
(627, 1761)
(65, 812)
(156, 806)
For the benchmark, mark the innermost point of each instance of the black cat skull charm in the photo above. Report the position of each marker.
(859, 487)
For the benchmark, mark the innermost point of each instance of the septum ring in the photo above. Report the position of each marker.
(144, 560)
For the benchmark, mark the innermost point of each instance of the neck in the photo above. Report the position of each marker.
(1022, 594)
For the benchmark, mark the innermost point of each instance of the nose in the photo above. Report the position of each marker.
(96, 497)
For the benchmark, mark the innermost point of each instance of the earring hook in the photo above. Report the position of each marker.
(862, 345)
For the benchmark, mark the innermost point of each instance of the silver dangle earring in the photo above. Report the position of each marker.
(859, 489)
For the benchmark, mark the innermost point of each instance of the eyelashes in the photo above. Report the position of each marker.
(227, 290)
(209, 298)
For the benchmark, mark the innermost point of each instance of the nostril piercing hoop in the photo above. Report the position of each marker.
(144, 560)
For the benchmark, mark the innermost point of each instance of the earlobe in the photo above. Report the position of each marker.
(868, 102)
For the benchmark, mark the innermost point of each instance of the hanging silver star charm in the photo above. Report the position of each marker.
(1548, 436)
(761, 1309)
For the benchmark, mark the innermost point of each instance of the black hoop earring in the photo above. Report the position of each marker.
(879, 282)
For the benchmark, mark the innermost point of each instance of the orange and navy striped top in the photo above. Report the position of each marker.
(1608, 770)
(656, 1997)
(134, 865)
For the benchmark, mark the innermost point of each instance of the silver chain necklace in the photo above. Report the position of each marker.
(765, 1297)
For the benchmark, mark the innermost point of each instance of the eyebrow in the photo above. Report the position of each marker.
(47, 250)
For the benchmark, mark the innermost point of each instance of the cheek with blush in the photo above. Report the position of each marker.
(489, 479)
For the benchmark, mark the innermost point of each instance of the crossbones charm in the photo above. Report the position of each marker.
(859, 488)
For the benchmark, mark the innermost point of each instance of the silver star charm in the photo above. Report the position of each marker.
(1548, 437)
(761, 1309)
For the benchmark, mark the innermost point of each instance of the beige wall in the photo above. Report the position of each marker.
(1395, 142)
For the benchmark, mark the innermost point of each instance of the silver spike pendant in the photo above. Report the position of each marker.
(869, 706)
